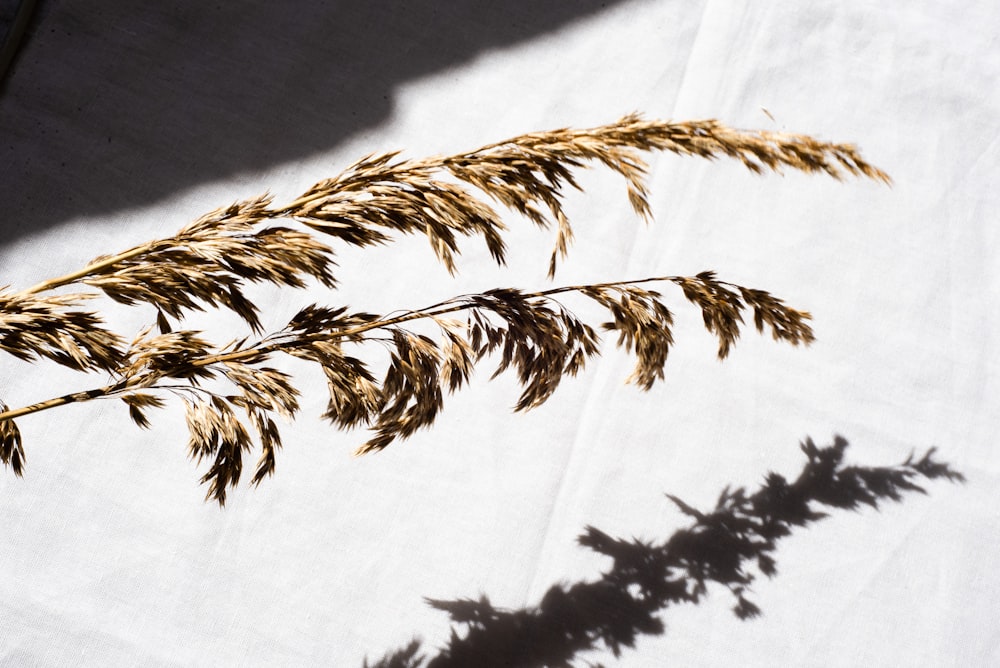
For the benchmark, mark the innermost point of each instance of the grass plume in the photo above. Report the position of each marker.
(209, 263)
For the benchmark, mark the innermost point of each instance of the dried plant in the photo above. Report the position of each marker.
(209, 263)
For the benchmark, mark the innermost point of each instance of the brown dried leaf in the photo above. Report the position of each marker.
(11, 447)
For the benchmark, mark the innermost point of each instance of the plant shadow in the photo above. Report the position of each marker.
(116, 105)
(728, 546)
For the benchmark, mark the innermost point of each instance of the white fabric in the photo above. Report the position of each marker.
(121, 124)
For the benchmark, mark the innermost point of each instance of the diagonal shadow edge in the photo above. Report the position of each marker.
(726, 546)
(111, 106)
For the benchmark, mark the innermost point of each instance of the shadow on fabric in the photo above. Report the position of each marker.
(116, 105)
(727, 545)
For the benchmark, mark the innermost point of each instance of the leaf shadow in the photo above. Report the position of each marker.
(728, 546)
(117, 105)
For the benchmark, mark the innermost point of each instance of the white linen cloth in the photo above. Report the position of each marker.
(120, 122)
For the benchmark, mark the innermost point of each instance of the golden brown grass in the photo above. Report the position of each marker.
(209, 262)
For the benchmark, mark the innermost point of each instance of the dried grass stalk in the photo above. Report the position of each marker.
(533, 334)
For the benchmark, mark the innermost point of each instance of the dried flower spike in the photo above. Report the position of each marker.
(535, 335)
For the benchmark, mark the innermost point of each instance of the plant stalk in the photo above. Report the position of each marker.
(91, 268)
(442, 308)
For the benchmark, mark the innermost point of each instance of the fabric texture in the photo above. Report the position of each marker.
(121, 122)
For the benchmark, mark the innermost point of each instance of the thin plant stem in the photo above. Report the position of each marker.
(453, 305)
(93, 267)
